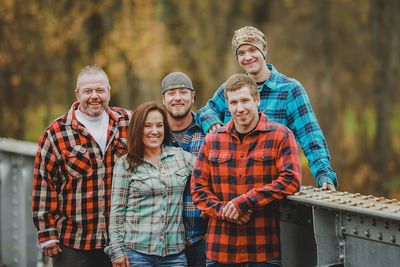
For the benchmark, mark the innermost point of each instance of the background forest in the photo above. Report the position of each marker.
(344, 52)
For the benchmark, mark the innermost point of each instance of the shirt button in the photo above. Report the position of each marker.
(104, 197)
(240, 175)
(241, 156)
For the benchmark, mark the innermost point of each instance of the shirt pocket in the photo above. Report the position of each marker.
(220, 158)
(263, 157)
(182, 177)
(264, 166)
(77, 161)
(142, 185)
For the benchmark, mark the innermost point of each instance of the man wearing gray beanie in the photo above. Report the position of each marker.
(283, 100)
(178, 96)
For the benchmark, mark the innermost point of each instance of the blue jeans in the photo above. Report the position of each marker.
(196, 254)
(138, 259)
(212, 263)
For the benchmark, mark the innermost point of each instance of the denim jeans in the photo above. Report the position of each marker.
(212, 263)
(196, 254)
(138, 259)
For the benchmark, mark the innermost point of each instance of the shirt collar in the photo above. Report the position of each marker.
(273, 79)
(196, 121)
(166, 151)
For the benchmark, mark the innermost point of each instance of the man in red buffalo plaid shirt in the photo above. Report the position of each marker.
(242, 171)
(73, 173)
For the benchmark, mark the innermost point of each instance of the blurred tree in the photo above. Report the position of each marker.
(202, 31)
(345, 53)
(384, 23)
(136, 52)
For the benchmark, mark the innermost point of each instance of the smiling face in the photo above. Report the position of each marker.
(244, 109)
(153, 132)
(178, 102)
(251, 59)
(93, 94)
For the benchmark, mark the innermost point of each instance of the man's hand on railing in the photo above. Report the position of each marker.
(326, 186)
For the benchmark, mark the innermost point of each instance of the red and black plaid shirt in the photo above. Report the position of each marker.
(254, 174)
(72, 180)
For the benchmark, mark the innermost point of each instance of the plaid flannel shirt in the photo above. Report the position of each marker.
(195, 226)
(283, 100)
(254, 174)
(146, 205)
(72, 180)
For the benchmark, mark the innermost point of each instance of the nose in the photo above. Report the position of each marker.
(247, 56)
(240, 107)
(177, 96)
(154, 129)
(94, 94)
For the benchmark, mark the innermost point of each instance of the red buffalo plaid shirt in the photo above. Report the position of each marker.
(255, 174)
(72, 180)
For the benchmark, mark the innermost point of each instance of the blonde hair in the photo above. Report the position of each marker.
(238, 81)
(90, 70)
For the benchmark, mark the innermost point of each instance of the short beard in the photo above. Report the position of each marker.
(179, 115)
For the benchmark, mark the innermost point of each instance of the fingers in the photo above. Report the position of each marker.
(246, 217)
(214, 127)
(121, 262)
(331, 187)
(52, 249)
(127, 263)
(230, 212)
(326, 186)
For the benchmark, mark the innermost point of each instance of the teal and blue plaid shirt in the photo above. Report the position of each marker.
(146, 206)
(283, 100)
(195, 226)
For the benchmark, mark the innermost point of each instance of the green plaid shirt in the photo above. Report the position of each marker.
(146, 206)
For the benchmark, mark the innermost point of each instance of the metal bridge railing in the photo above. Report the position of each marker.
(318, 228)
(18, 246)
(332, 228)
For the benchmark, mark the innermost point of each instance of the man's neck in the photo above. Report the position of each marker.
(249, 128)
(263, 75)
(180, 124)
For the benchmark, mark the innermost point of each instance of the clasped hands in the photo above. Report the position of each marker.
(231, 214)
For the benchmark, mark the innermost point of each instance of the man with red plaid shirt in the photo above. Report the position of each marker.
(73, 173)
(243, 170)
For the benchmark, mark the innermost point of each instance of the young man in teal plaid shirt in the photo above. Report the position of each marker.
(178, 97)
(282, 99)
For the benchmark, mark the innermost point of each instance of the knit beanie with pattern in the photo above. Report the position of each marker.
(251, 36)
